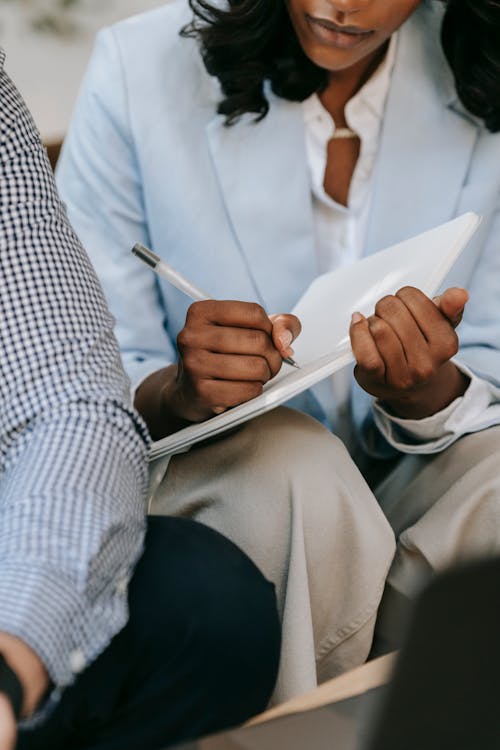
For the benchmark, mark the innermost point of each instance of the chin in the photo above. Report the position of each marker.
(333, 59)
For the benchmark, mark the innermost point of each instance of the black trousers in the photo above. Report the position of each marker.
(200, 651)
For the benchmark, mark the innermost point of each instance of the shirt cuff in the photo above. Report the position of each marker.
(68, 630)
(477, 409)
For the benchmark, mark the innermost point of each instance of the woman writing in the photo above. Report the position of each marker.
(269, 143)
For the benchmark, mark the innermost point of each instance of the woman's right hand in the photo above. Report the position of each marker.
(227, 352)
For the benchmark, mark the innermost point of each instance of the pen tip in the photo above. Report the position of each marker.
(291, 362)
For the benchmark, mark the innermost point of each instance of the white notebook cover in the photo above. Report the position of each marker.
(325, 311)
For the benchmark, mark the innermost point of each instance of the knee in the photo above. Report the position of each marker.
(305, 463)
(290, 456)
(205, 597)
(292, 435)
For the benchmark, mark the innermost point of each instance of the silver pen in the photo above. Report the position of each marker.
(178, 280)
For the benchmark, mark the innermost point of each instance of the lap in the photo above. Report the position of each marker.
(445, 504)
(280, 486)
(287, 492)
(199, 652)
(445, 510)
(454, 496)
(284, 485)
(250, 484)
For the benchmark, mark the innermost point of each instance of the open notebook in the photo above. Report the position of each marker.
(325, 311)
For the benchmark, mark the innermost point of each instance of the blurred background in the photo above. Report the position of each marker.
(48, 44)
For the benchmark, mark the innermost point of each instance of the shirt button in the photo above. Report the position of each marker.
(122, 585)
(77, 661)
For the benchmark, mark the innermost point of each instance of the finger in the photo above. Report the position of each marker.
(452, 303)
(219, 395)
(230, 313)
(391, 350)
(428, 317)
(439, 333)
(286, 328)
(364, 348)
(197, 348)
(198, 364)
(396, 314)
(194, 343)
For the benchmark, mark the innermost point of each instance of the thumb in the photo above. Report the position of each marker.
(452, 303)
(286, 328)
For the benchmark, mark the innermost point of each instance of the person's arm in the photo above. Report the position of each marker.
(424, 400)
(476, 408)
(99, 179)
(73, 474)
(383, 432)
(226, 350)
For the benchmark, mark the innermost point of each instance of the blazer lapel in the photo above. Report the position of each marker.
(418, 176)
(263, 176)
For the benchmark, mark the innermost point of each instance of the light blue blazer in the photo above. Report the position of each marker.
(148, 159)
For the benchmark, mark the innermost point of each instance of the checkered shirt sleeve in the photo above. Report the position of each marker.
(73, 474)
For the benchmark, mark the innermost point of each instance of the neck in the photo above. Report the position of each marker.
(344, 84)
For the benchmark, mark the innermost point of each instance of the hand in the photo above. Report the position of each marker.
(33, 677)
(8, 724)
(403, 351)
(227, 352)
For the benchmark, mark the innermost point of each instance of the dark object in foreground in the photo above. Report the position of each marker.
(445, 693)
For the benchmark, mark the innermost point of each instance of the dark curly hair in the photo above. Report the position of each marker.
(249, 42)
(470, 37)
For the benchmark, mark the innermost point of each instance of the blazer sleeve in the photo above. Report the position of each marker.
(99, 179)
(479, 331)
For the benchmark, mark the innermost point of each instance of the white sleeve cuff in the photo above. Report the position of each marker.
(476, 410)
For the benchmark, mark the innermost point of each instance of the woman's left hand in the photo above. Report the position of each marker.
(403, 351)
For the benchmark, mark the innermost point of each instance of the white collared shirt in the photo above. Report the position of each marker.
(341, 230)
(340, 233)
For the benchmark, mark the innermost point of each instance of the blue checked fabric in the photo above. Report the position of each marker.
(73, 473)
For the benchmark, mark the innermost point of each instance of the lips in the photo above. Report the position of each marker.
(345, 37)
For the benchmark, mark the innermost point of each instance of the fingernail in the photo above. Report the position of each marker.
(219, 409)
(356, 317)
(436, 300)
(286, 339)
(289, 352)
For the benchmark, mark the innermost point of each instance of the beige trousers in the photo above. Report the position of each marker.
(286, 491)
(444, 509)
